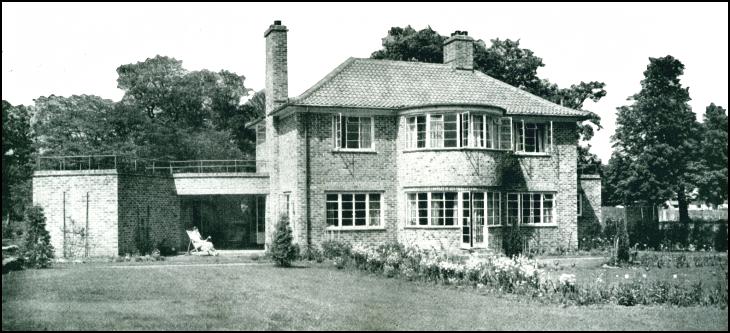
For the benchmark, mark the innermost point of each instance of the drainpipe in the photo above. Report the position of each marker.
(307, 175)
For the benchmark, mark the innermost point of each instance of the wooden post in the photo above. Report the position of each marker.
(86, 231)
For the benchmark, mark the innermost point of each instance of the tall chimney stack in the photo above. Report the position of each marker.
(459, 51)
(277, 83)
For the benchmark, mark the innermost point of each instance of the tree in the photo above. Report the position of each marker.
(37, 248)
(654, 138)
(711, 173)
(17, 162)
(506, 61)
(189, 114)
(282, 250)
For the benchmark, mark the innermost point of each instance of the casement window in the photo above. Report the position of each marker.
(530, 208)
(442, 208)
(458, 130)
(357, 210)
(432, 209)
(261, 133)
(352, 132)
(532, 137)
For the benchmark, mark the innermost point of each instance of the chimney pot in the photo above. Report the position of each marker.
(459, 50)
(277, 22)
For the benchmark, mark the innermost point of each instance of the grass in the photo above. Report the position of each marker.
(256, 296)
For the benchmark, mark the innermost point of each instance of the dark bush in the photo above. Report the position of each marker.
(623, 252)
(283, 252)
(513, 241)
(38, 250)
(721, 238)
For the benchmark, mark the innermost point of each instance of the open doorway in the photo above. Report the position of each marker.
(234, 222)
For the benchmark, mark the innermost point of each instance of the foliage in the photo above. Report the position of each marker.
(37, 248)
(721, 238)
(17, 165)
(333, 248)
(512, 243)
(624, 247)
(283, 252)
(711, 167)
(654, 138)
(522, 276)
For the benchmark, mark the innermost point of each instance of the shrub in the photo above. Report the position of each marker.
(283, 252)
(334, 248)
(311, 252)
(623, 251)
(720, 238)
(512, 241)
(38, 250)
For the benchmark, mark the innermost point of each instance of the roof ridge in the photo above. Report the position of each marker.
(405, 62)
(326, 79)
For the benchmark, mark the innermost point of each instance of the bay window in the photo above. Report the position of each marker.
(466, 130)
(442, 208)
(357, 210)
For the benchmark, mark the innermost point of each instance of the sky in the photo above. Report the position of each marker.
(75, 48)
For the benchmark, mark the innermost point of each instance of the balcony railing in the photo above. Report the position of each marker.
(130, 164)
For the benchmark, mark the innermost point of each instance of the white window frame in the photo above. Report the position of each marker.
(492, 128)
(429, 207)
(338, 131)
(547, 146)
(367, 208)
(261, 133)
(580, 204)
(542, 222)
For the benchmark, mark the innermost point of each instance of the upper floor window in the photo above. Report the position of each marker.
(352, 132)
(533, 137)
(458, 130)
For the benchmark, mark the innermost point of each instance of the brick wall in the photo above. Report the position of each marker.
(149, 208)
(461, 170)
(66, 191)
(589, 222)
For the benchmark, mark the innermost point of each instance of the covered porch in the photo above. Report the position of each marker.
(234, 222)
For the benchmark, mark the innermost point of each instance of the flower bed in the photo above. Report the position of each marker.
(523, 276)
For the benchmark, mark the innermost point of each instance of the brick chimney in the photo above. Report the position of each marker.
(459, 51)
(277, 83)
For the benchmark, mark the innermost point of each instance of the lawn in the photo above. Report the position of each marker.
(258, 296)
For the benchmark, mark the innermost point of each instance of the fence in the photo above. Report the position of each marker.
(132, 164)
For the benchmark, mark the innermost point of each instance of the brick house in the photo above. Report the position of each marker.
(434, 155)
(438, 155)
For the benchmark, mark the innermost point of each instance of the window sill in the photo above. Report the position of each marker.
(432, 227)
(352, 150)
(355, 229)
(539, 225)
(521, 153)
(413, 150)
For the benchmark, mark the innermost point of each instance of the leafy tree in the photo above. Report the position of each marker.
(38, 250)
(190, 114)
(16, 161)
(711, 173)
(506, 61)
(282, 250)
(654, 138)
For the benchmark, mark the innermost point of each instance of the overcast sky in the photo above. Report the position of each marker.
(67, 49)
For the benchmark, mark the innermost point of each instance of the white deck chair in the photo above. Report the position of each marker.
(199, 245)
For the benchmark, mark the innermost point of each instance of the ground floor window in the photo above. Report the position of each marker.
(354, 209)
(442, 208)
(530, 208)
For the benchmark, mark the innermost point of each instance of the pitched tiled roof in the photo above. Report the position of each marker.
(387, 84)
